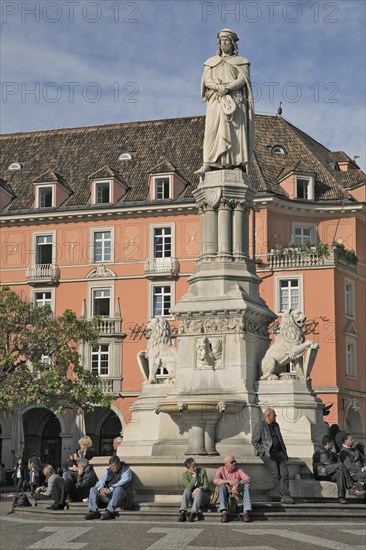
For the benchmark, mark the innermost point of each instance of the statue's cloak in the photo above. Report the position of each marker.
(229, 139)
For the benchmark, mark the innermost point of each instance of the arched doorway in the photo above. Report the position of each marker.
(42, 431)
(103, 425)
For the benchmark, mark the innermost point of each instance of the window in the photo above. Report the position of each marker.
(277, 150)
(303, 234)
(351, 359)
(162, 301)
(42, 298)
(100, 359)
(101, 302)
(44, 249)
(162, 242)
(102, 246)
(289, 294)
(162, 188)
(349, 299)
(45, 197)
(304, 188)
(102, 192)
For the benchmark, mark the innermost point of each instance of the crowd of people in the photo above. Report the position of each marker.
(336, 459)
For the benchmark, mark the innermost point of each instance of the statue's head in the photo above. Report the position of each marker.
(227, 39)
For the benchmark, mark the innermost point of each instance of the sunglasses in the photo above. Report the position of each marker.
(232, 462)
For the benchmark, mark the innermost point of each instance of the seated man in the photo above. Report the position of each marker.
(231, 480)
(196, 488)
(326, 465)
(112, 490)
(79, 489)
(353, 461)
(55, 489)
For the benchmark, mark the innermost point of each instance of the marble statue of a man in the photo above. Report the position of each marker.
(229, 130)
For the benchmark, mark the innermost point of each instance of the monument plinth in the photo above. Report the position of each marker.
(204, 397)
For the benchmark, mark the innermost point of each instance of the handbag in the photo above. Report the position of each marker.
(214, 495)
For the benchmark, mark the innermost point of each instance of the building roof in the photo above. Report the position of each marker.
(79, 153)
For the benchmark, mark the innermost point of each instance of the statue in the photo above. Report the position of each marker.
(160, 358)
(229, 131)
(209, 353)
(290, 345)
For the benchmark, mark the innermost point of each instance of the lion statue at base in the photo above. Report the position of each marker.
(290, 345)
(161, 355)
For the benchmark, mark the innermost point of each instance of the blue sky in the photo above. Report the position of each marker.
(68, 63)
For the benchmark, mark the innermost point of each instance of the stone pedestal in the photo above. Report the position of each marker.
(299, 414)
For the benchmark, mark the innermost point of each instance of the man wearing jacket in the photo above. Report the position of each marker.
(267, 441)
(326, 465)
(112, 490)
(195, 488)
(79, 489)
(353, 460)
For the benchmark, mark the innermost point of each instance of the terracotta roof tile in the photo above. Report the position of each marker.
(77, 153)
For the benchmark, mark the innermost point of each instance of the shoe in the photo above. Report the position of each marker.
(287, 500)
(108, 515)
(85, 500)
(354, 491)
(246, 517)
(224, 516)
(92, 514)
(192, 516)
(182, 516)
(342, 500)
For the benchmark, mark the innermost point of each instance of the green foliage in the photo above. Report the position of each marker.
(322, 249)
(39, 358)
(348, 254)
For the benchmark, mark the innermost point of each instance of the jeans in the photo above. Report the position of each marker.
(243, 491)
(115, 499)
(199, 498)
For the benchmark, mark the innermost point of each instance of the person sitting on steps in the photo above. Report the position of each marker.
(232, 481)
(112, 490)
(196, 489)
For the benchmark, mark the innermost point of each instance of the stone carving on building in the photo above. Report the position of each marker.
(158, 362)
(210, 325)
(209, 352)
(226, 87)
(290, 345)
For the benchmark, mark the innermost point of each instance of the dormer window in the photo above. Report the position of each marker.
(278, 150)
(162, 187)
(45, 197)
(304, 188)
(102, 192)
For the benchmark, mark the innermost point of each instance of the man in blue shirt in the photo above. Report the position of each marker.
(112, 490)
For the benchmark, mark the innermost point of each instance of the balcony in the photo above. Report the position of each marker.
(45, 274)
(109, 326)
(161, 267)
(293, 258)
(110, 385)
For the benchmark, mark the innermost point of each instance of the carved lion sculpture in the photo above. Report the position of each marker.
(161, 354)
(290, 345)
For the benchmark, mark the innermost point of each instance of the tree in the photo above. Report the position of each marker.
(39, 358)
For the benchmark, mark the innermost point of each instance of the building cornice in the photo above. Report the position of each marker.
(278, 204)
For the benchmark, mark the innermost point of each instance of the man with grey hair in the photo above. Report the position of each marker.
(79, 488)
(268, 442)
(55, 489)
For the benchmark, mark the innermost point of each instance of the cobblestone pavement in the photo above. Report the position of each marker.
(23, 533)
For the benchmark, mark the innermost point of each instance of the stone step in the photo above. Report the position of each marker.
(262, 511)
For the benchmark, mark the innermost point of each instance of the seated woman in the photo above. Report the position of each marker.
(85, 451)
(196, 489)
